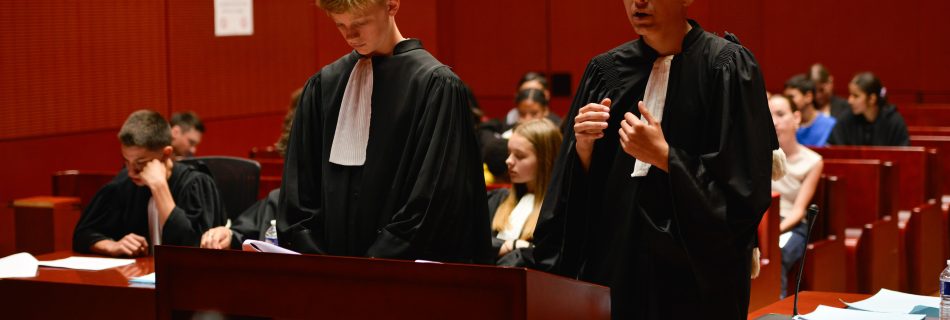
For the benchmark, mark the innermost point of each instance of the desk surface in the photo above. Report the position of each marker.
(808, 301)
(56, 293)
(115, 277)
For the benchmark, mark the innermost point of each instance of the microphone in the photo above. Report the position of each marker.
(812, 213)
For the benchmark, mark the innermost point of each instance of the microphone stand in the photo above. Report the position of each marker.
(812, 213)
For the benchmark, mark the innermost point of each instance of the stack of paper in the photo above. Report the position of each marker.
(261, 246)
(898, 302)
(87, 263)
(832, 313)
(19, 265)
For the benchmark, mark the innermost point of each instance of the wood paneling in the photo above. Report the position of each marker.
(73, 66)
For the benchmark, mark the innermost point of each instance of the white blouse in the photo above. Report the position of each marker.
(517, 218)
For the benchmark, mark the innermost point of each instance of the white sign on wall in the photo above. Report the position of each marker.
(233, 18)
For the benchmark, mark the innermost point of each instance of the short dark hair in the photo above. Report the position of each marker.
(146, 129)
(801, 83)
(187, 120)
(819, 74)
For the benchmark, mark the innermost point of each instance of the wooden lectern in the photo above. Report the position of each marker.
(265, 285)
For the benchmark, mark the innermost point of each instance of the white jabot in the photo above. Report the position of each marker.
(154, 228)
(655, 100)
(517, 218)
(352, 125)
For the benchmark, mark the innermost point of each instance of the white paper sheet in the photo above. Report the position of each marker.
(146, 279)
(894, 302)
(261, 246)
(20, 265)
(87, 263)
(831, 313)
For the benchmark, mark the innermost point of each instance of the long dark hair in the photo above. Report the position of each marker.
(870, 85)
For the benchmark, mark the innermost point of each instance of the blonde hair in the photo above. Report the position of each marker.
(546, 140)
(341, 6)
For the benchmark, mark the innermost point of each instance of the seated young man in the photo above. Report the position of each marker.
(152, 200)
(815, 126)
(187, 130)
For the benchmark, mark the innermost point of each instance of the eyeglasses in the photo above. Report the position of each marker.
(138, 165)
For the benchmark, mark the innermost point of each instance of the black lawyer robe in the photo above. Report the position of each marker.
(419, 195)
(120, 207)
(670, 245)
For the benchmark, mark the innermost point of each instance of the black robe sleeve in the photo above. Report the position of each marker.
(100, 220)
(728, 186)
(444, 215)
(300, 208)
(198, 208)
(719, 195)
(562, 224)
(254, 222)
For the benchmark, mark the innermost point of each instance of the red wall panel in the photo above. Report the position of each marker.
(932, 36)
(240, 75)
(581, 30)
(494, 43)
(71, 66)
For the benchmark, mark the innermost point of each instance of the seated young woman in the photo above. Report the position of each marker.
(873, 121)
(796, 188)
(533, 147)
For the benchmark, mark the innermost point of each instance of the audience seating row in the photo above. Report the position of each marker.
(939, 173)
(908, 175)
(925, 114)
(861, 242)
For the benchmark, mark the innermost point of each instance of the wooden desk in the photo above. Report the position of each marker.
(255, 284)
(808, 301)
(75, 294)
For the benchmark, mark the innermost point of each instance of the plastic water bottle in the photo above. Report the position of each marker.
(945, 293)
(270, 236)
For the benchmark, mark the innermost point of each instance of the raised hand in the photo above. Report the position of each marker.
(154, 173)
(589, 126)
(644, 140)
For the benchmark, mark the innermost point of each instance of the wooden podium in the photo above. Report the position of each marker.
(265, 285)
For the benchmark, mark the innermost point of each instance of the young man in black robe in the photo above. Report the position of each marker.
(664, 172)
(153, 200)
(382, 160)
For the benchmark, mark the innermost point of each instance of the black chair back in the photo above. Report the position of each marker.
(237, 180)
